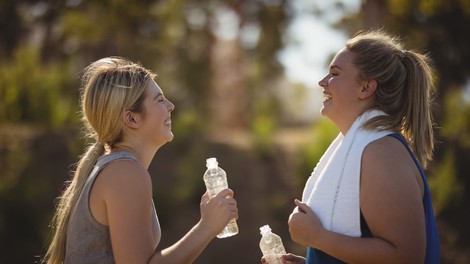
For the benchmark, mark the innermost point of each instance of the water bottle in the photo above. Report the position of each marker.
(271, 245)
(215, 179)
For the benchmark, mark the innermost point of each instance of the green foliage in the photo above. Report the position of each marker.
(324, 133)
(186, 126)
(189, 170)
(456, 121)
(427, 7)
(17, 155)
(264, 122)
(262, 131)
(445, 184)
(31, 91)
(79, 29)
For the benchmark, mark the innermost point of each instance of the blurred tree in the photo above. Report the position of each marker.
(33, 93)
(47, 43)
(11, 27)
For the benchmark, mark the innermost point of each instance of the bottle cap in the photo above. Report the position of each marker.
(264, 230)
(211, 163)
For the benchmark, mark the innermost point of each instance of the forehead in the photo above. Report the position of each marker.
(343, 59)
(153, 88)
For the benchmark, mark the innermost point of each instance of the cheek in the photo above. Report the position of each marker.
(161, 113)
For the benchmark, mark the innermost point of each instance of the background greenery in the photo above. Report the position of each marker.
(226, 106)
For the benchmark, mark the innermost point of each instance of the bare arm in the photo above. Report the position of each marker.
(215, 215)
(127, 194)
(391, 202)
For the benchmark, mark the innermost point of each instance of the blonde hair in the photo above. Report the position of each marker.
(110, 86)
(405, 85)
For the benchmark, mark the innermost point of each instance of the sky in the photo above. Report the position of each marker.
(310, 41)
(311, 38)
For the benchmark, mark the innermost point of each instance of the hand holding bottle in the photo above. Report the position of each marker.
(216, 212)
(215, 179)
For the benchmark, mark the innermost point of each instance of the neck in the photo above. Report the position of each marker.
(347, 122)
(143, 154)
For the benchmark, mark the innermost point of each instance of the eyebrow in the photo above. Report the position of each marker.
(335, 67)
(159, 94)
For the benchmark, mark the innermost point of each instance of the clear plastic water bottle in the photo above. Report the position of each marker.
(215, 179)
(271, 245)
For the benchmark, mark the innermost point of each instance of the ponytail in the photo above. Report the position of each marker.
(417, 122)
(405, 84)
(66, 202)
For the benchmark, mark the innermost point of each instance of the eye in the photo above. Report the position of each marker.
(160, 98)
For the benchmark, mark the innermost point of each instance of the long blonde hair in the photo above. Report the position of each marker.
(110, 86)
(405, 85)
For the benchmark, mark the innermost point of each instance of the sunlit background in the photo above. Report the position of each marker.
(243, 75)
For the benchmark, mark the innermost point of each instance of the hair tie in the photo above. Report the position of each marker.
(121, 86)
(402, 54)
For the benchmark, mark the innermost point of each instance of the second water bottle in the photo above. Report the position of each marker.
(271, 246)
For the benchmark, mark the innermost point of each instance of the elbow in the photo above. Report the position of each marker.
(411, 255)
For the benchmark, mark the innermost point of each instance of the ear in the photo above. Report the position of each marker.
(368, 89)
(130, 119)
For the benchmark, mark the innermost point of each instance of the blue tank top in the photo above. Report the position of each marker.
(315, 256)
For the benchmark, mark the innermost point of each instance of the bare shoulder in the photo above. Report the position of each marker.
(387, 161)
(389, 155)
(385, 147)
(125, 178)
(118, 188)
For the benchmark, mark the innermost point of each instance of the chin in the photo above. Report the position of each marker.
(323, 112)
(170, 137)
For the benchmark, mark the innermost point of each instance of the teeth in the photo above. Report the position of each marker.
(327, 96)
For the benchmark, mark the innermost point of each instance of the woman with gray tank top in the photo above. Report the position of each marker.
(106, 214)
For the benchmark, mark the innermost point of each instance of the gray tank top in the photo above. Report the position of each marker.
(87, 240)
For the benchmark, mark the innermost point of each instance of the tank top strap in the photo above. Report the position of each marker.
(432, 236)
(118, 155)
(103, 161)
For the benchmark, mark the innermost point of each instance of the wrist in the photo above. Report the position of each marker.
(319, 239)
(204, 230)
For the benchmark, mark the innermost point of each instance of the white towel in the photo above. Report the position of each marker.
(332, 191)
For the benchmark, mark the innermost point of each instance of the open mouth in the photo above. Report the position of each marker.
(327, 97)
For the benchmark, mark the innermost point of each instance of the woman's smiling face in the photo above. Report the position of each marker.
(341, 88)
(157, 115)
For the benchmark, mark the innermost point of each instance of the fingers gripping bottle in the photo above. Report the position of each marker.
(215, 179)
(271, 246)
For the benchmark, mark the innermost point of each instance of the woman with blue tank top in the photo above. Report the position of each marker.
(367, 200)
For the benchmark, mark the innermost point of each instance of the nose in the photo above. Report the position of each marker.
(323, 82)
(170, 106)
